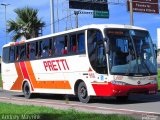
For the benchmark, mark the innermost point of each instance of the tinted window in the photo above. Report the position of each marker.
(96, 51)
(22, 52)
(32, 50)
(81, 43)
(73, 44)
(61, 47)
(45, 48)
(6, 55)
(12, 54)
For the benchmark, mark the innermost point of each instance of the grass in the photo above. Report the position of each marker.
(158, 79)
(44, 113)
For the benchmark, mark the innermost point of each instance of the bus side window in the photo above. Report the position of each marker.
(17, 53)
(50, 47)
(28, 53)
(53, 48)
(12, 54)
(32, 50)
(73, 44)
(65, 46)
(61, 45)
(22, 51)
(5, 57)
(81, 43)
(44, 48)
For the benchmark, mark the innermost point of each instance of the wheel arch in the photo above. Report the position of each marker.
(24, 81)
(76, 86)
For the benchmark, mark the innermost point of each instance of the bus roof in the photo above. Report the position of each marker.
(92, 26)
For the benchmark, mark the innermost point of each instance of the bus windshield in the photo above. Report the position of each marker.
(131, 52)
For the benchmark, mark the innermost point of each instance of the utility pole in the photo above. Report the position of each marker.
(5, 6)
(52, 16)
(76, 14)
(57, 17)
(131, 12)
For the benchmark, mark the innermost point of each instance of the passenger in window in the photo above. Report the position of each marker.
(50, 52)
(12, 55)
(74, 48)
(64, 51)
(32, 52)
(45, 53)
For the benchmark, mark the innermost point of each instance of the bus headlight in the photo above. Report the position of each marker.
(153, 82)
(118, 83)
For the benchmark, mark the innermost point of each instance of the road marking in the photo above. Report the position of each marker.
(83, 106)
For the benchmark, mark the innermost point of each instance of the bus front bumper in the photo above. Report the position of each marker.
(109, 89)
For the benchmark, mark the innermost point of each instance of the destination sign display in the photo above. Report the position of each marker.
(100, 5)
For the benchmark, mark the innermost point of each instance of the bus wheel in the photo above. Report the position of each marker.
(122, 98)
(26, 90)
(82, 93)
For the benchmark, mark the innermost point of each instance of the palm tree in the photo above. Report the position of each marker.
(27, 24)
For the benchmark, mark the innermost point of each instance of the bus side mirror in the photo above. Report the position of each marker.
(106, 44)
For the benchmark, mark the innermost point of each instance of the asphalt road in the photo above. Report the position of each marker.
(137, 105)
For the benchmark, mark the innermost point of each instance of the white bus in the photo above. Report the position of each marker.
(94, 60)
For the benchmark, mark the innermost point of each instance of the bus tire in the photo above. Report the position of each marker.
(122, 98)
(83, 93)
(26, 91)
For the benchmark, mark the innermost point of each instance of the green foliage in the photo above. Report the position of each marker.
(27, 23)
(53, 114)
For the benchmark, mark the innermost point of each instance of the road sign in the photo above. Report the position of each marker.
(100, 14)
(145, 6)
(100, 5)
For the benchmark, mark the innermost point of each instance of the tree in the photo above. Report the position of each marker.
(27, 24)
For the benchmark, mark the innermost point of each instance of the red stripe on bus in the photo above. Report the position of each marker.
(25, 73)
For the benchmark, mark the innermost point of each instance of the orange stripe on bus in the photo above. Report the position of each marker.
(64, 84)
(18, 83)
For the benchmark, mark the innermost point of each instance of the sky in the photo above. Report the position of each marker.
(118, 15)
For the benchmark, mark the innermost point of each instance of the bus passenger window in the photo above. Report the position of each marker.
(5, 56)
(73, 44)
(33, 50)
(17, 53)
(12, 54)
(44, 48)
(61, 45)
(65, 49)
(53, 48)
(22, 49)
(81, 43)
